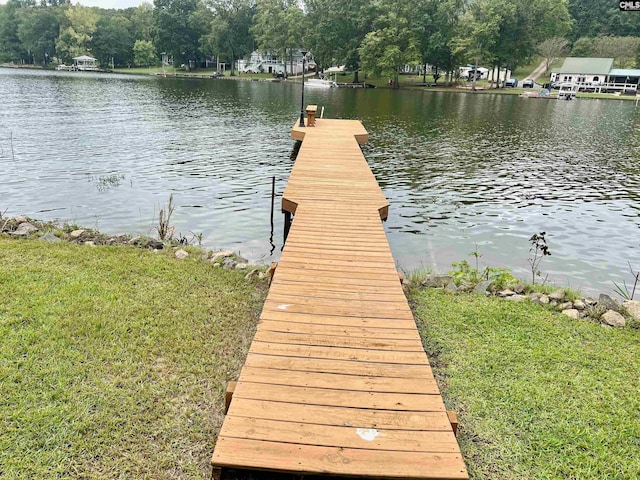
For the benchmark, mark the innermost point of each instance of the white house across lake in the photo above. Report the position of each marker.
(596, 75)
(267, 62)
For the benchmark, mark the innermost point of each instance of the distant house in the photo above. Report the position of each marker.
(583, 70)
(597, 75)
(267, 62)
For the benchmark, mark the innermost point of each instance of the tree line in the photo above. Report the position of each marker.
(378, 37)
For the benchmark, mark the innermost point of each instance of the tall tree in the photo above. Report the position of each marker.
(279, 27)
(393, 43)
(38, 29)
(522, 25)
(478, 32)
(178, 29)
(76, 31)
(230, 30)
(552, 49)
(338, 28)
(144, 53)
(599, 18)
(427, 32)
(11, 49)
(444, 57)
(141, 18)
(112, 42)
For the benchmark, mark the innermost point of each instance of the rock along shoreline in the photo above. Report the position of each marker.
(53, 232)
(605, 310)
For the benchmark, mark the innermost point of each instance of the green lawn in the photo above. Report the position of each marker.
(538, 395)
(195, 73)
(607, 96)
(522, 72)
(114, 360)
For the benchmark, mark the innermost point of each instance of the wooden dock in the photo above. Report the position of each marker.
(336, 381)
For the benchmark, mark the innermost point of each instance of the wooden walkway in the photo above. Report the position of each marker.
(336, 381)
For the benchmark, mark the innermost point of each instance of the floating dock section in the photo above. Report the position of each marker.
(336, 381)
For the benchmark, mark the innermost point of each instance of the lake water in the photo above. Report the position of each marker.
(106, 151)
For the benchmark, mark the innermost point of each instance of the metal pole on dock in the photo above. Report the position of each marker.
(273, 196)
(304, 57)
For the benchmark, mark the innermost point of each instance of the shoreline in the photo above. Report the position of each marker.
(605, 310)
(402, 87)
(23, 227)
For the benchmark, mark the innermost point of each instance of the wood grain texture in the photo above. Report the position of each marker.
(336, 381)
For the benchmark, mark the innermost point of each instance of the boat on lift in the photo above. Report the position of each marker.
(322, 82)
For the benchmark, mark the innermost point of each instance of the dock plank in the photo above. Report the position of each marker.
(340, 416)
(339, 381)
(336, 381)
(348, 437)
(293, 458)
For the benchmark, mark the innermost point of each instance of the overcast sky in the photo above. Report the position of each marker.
(106, 3)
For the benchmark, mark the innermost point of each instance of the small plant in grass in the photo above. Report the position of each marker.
(197, 237)
(623, 290)
(501, 278)
(572, 295)
(463, 272)
(4, 223)
(416, 277)
(164, 228)
(539, 249)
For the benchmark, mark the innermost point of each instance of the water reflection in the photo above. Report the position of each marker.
(458, 169)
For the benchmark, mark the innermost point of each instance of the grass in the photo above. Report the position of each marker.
(114, 360)
(194, 73)
(523, 71)
(607, 96)
(538, 395)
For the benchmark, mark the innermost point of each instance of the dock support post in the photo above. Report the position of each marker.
(453, 419)
(287, 224)
(216, 473)
(228, 395)
(271, 271)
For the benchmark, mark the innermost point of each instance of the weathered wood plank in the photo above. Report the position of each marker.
(337, 353)
(340, 416)
(332, 365)
(289, 457)
(339, 381)
(324, 340)
(356, 321)
(339, 436)
(415, 402)
(342, 330)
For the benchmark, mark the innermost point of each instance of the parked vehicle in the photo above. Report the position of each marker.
(512, 82)
(477, 74)
(528, 83)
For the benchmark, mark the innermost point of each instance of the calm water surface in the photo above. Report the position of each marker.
(106, 151)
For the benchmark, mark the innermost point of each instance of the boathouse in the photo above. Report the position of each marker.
(85, 63)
